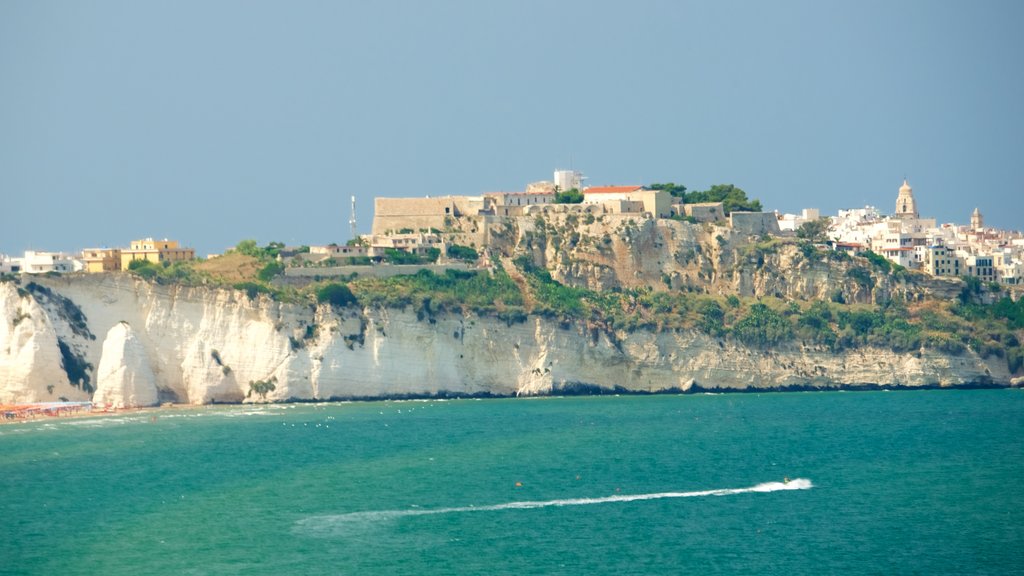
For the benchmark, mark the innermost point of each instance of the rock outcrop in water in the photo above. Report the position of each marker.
(125, 375)
(200, 345)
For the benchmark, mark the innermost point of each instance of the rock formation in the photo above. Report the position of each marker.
(125, 376)
(199, 345)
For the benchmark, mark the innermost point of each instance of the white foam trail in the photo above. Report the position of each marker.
(335, 522)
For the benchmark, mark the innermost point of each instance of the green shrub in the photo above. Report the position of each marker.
(402, 257)
(262, 387)
(462, 252)
(861, 276)
(456, 290)
(336, 295)
(878, 261)
(269, 271)
(572, 196)
(762, 326)
(144, 269)
(972, 287)
(711, 318)
(251, 289)
(269, 252)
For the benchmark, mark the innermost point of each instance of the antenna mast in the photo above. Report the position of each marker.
(352, 220)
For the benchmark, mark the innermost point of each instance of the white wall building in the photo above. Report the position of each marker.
(9, 265)
(42, 262)
(791, 222)
(568, 179)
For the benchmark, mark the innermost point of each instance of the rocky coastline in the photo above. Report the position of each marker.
(120, 341)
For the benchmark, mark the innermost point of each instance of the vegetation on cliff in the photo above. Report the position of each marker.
(733, 199)
(953, 327)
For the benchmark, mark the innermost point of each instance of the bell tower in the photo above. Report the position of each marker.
(905, 205)
(977, 223)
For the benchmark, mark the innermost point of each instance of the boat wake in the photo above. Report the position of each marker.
(337, 524)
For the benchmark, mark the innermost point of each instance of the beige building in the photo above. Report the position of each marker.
(101, 259)
(416, 214)
(940, 261)
(338, 251)
(415, 243)
(657, 202)
(513, 203)
(156, 251)
(705, 211)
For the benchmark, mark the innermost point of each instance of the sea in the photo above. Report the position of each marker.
(902, 482)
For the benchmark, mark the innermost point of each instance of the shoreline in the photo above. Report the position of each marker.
(573, 391)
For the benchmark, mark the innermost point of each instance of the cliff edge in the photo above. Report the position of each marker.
(195, 344)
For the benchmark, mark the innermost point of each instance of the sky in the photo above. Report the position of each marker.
(215, 121)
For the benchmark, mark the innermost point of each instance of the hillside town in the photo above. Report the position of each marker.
(423, 227)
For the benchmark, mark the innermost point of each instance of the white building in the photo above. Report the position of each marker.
(569, 180)
(792, 222)
(853, 226)
(9, 265)
(920, 243)
(43, 262)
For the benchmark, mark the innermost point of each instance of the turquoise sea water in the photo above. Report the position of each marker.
(926, 482)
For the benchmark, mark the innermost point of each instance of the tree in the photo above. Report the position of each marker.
(262, 387)
(814, 231)
(273, 249)
(732, 198)
(677, 190)
(762, 326)
(248, 248)
(572, 196)
(268, 272)
(144, 269)
(711, 318)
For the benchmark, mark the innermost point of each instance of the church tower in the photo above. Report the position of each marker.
(976, 221)
(905, 205)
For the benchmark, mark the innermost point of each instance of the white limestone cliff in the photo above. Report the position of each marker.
(31, 364)
(200, 345)
(124, 378)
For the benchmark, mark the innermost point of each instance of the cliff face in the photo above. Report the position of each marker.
(603, 251)
(130, 342)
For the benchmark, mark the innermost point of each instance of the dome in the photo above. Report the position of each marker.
(906, 187)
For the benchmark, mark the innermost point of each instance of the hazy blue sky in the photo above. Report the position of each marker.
(214, 121)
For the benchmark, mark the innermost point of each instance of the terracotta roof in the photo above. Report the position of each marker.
(611, 189)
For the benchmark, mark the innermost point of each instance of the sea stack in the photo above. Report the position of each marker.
(124, 378)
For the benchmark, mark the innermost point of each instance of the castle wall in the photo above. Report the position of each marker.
(754, 223)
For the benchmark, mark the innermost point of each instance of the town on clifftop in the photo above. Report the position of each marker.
(420, 231)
